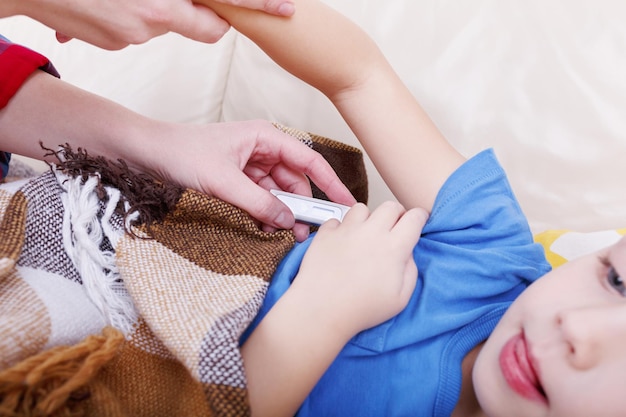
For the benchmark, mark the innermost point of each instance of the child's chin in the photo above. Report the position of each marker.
(487, 382)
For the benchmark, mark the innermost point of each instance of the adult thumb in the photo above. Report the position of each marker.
(199, 23)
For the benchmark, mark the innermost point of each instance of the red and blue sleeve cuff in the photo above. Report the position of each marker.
(17, 63)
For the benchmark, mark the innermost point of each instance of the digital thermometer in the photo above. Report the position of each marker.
(311, 210)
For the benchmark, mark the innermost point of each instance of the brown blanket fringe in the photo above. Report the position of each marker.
(148, 196)
(54, 382)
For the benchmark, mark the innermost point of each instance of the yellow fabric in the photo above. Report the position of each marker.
(562, 245)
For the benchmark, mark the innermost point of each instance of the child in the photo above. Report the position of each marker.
(457, 348)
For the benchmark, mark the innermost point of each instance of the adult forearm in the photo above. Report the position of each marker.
(7, 8)
(52, 112)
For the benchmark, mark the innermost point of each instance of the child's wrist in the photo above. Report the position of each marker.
(319, 313)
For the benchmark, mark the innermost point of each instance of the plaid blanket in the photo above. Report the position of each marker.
(123, 296)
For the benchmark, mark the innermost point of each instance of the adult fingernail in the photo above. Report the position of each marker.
(286, 9)
(62, 38)
(284, 221)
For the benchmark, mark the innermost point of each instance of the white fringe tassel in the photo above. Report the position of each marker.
(83, 233)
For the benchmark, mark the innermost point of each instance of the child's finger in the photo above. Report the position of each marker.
(409, 227)
(409, 281)
(387, 214)
(358, 213)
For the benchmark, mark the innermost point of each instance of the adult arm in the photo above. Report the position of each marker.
(328, 51)
(114, 24)
(237, 162)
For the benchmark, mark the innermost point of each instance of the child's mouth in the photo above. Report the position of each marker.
(519, 371)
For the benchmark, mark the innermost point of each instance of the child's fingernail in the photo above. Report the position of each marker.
(424, 214)
(286, 9)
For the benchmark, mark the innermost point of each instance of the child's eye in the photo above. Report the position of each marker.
(615, 281)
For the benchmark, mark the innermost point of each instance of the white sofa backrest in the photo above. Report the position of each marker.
(170, 77)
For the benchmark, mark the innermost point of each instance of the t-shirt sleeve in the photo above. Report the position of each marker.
(17, 63)
(476, 254)
(478, 223)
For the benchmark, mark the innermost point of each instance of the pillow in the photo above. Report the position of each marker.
(564, 245)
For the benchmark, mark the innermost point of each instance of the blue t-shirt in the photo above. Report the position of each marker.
(475, 256)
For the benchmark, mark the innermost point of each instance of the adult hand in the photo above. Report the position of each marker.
(239, 162)
(114, 24)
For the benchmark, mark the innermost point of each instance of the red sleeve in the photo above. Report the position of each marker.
(16, 64)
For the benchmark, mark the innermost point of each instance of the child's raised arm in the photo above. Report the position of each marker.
(328, 51)
(335, 296)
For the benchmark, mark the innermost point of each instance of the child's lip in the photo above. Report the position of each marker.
(520, 371)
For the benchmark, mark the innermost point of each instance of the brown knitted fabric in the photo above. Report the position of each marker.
(346, 160)
(195, 270)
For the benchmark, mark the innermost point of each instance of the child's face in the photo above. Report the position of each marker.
(560, 350)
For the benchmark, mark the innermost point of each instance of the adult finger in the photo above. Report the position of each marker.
(62, 38)
(300, 230)
(237, 189)
(286, 179)
(199, 23)
(94, 37)
(300, 158)
(277, 7)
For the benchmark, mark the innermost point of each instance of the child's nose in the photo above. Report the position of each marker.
(593, 333)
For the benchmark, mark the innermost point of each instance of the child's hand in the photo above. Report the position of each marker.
(361, 272)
